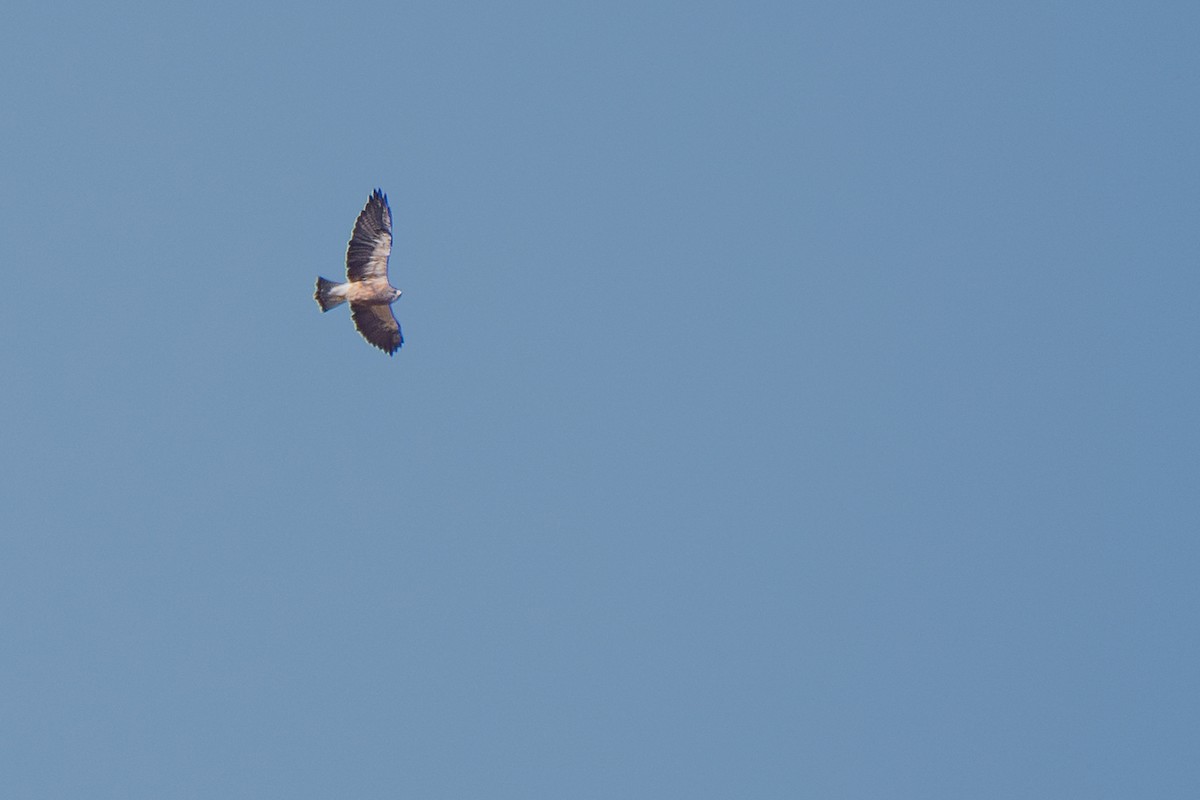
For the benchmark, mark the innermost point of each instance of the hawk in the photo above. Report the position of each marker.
(367, 288)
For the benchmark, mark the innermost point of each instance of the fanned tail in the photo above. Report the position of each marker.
(327, 294)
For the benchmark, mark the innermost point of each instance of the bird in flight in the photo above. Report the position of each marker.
(367, 288)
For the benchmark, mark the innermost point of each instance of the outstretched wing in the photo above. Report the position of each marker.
(371, 243)
(378, 325)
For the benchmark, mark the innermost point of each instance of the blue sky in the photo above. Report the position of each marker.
(798, 400)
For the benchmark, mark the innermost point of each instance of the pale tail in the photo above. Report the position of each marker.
(326, 297)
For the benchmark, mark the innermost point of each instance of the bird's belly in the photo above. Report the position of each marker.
(369, 293)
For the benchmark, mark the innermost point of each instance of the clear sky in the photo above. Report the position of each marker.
(799, 400)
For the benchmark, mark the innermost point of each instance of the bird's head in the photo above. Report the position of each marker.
(395, 295)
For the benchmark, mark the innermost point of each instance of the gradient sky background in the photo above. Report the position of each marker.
(798, 400)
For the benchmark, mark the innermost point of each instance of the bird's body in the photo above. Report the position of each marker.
(367, 288)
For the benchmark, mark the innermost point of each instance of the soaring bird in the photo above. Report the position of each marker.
(367, 288)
